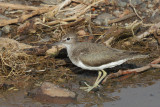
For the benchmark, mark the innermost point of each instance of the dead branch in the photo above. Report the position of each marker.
(17, 6)
(135, 10)
(88, 7)
(50, 14)
(26, 16)
(153, 64)
(122, 18)
(156, 61)
(77, 17)
(40, 10)
(150, 31)
(63, 21)
(61, 5)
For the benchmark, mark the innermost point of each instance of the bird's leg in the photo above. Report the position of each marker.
(101, 75)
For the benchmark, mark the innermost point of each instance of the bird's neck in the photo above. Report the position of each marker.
(69, 48)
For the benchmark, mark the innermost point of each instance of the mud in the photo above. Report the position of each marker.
(140, 89)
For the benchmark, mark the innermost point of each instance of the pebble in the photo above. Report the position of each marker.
(103, 19)
(150, 5)
(52, 93)
(117, 13)
(6, 29)
(81, 33)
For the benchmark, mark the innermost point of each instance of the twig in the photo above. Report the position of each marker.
(50, 14)
(122, 18)
(151, 30)
(26, 16)
(61, 21)
(153, 64)
(109, 41)
(65, 3)
(17, 6)
(85, 10)
(156, 61)
(76, 17)
(60, 6)
(157, 37)
(133, 25)
(135, 10)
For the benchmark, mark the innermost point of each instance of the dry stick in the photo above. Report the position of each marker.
(66, 2)
(26, 16)
(153, 64)
(75, 22)
(75, 17)
(83, 11)
(151, 30)
(156, 61)
(62, 20)
(122, 18)
(135, 10)
(157, 37)
(17, 6)
(59, 7)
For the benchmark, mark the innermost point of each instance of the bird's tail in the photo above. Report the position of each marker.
(138, 57)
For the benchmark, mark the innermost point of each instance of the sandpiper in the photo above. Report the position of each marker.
(94, 56)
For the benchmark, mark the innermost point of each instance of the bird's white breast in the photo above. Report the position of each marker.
(109, 65)
(83, 66)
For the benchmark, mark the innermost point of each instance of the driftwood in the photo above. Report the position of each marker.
(47, 12)
(26, 16)
(122, 18)
(153, 64)
(17, 6)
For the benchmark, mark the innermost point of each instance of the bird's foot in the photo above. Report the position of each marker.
(88, 88)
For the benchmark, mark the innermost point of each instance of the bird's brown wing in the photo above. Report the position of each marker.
(93, 54)
(100, 58)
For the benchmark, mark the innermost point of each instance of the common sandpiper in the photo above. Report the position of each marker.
(94, 56)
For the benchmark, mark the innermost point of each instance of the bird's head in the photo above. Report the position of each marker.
(67, 39)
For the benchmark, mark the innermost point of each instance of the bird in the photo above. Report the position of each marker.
(95, 56)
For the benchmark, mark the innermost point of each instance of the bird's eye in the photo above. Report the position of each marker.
(68, 38)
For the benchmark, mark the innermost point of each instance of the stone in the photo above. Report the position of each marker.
(51, 93)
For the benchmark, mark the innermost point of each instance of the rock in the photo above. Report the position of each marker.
(6, 29)
(54, 50)
(2, 17)
(81, 33)
(54, 91)
(117, 13)
(103, 19)
(136, 2)
(51, 93)
(123, 3)
(150, 5)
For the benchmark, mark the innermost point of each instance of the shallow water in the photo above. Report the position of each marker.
(137, 97)
(135, 91)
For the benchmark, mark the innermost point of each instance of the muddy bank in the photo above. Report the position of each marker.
(29, 28)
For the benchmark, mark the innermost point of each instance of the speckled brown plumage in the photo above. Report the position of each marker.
(93, 54)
